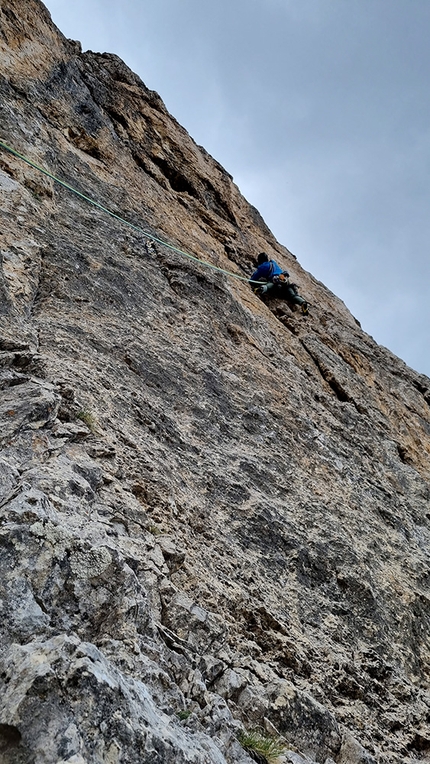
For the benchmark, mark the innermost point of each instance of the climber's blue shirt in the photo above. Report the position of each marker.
(266, 271)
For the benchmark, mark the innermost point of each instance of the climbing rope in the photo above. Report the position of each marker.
(121, 219)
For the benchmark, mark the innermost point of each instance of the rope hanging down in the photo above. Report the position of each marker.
(122, 220)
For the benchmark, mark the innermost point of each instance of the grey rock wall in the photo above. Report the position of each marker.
(214, 512)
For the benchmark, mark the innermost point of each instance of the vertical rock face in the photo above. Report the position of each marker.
(214, 511)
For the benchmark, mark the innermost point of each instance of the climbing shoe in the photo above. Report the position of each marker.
(305, 309)
(261, 290)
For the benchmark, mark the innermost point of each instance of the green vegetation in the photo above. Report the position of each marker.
(155, 530)
(262, 748)
(182, 715)
(87, 418)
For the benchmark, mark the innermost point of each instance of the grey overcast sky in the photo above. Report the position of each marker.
(320, 110)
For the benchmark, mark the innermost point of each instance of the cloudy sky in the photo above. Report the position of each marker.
(320, 110)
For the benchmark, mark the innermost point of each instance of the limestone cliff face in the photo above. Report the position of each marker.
(214, 511)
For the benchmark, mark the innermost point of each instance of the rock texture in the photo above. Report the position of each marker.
(214, 512)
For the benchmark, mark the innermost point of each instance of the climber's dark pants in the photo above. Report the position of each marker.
(285, 291)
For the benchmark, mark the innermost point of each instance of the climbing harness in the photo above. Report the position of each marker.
(280, 278)
(121, 219)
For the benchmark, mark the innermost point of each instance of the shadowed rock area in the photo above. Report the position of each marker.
(214, 511)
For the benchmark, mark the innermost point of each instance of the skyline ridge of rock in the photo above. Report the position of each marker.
(214, 511)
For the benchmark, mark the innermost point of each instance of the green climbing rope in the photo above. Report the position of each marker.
(155, 239)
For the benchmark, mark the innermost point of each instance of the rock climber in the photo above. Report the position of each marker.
(275, 281)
